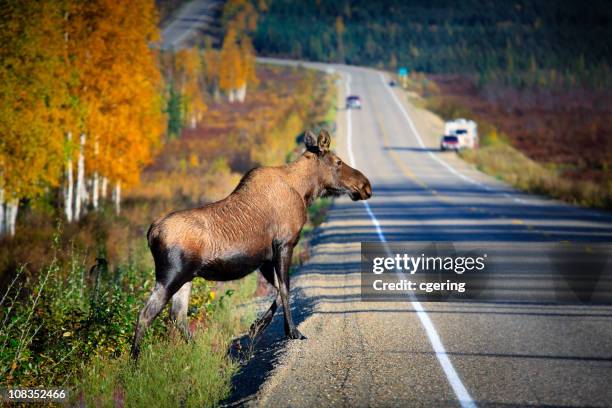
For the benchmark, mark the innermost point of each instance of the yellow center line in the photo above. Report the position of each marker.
(410, 174)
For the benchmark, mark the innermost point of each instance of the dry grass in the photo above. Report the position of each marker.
(508, 164)
(560, 174)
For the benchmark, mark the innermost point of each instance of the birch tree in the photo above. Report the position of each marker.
(124, 112)
(80, 181)
(2, 222)
(237, 68)
(79, 87)
(68, 182)
(191, 82)
(31, 146)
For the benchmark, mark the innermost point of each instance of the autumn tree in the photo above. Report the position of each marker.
(80, 100)
(31, 93)
(122, 88)
(191, 83)
(231, 75)
(237, 57)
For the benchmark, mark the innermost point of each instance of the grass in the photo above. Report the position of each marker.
(171, 372)
(497, 157)
(510, 165)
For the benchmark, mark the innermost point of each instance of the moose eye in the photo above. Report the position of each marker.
(338, 162)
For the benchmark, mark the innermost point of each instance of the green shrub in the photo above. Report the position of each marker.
(171, 372)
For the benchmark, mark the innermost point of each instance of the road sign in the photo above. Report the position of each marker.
(402, 71)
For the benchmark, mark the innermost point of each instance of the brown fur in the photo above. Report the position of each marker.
(256, 226)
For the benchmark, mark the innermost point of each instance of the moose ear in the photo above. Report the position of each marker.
(310, 140)
(324, 141)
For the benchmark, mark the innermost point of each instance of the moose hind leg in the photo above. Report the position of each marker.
(178, 310)
(154, 305)
(262, 322)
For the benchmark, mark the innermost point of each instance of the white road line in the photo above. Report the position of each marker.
(433, 156)
(349, 132)
(463, 396)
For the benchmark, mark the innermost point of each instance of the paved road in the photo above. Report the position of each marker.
(422, 353)
(190, 21)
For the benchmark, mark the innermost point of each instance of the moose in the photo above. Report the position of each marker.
(255, 227)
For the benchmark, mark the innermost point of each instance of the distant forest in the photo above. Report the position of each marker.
(523, 43)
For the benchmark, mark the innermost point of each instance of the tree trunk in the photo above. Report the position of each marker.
(241, 93)
(80, 184)
(104, 187)
(231, 96)
(11, 215)
(95, 187)
(96, 179)
(1, 212)
(69, 185)
(117, 197)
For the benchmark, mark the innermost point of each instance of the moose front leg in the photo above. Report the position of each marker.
(283, 261)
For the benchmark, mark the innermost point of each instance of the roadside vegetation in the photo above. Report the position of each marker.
(66, 323)
(549, 142)
(72, 282)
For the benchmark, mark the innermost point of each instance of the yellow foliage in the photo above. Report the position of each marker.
(118, 85)
(79, 67)
(190, 81)
(237, 57)
(230, 69)
(32, 91)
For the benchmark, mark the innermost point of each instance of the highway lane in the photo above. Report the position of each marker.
(540, 358)
(189, 22)
(472, 353)
(382, 354)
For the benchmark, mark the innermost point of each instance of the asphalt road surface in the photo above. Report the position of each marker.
(411, 353)
(189, 22)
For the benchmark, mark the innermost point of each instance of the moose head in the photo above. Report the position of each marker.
(335, 177)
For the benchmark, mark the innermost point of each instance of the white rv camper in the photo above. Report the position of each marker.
(465, 130)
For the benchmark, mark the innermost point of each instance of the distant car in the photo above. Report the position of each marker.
(353, 102)
(392, 83)
(465, 130)
(449, 143)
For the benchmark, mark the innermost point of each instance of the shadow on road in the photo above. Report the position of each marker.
(480, 216)
(259, 358)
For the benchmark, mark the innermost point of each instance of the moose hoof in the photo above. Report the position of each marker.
(134, 353)
(296, 335)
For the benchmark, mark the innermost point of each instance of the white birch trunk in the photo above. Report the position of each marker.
(11, 215)
(80, 184)
(1, 212)
(96, 180)
(231, 95)
(95, 187)
(69, 186)
(104, 187)
(117, 197)
(86, 197)
(241, 93)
